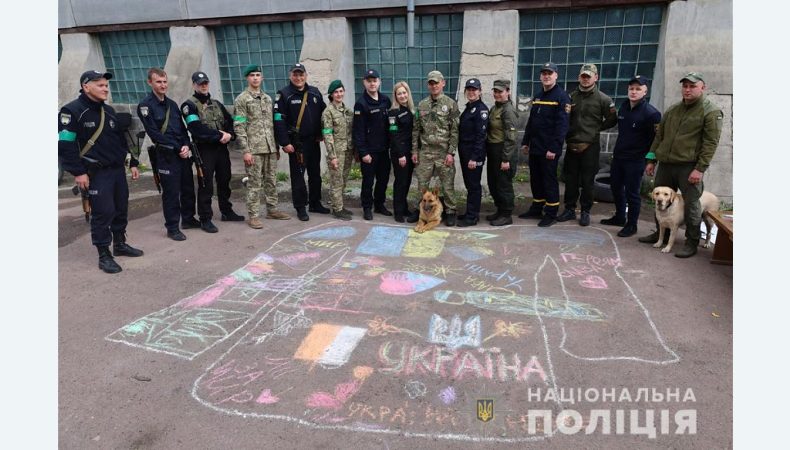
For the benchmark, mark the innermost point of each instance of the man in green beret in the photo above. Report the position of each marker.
(254, 127)
(684, 145)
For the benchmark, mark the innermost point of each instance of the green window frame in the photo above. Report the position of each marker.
(128, 55)
(274, 46)
(381, 43)
(622, 42)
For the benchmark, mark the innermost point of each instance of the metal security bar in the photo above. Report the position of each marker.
(381, 43)
(622, 42)
(274, 46)
(129, 55)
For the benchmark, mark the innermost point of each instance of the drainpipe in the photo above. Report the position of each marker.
(410, 22)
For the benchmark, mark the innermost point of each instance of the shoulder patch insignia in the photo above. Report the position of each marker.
(65, 118)
(144, 111)
(444, 108)
(185, 110)
(568, 108)
(484, 114)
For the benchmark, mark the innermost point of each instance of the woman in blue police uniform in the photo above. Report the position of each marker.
(472, 128)
(93, 149)
(401, 124)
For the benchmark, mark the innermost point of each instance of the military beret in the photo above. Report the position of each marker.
(252, 68)
(694, 77)
(333, 86)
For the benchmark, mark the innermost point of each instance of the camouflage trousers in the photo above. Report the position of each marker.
(262, 173)
(434, 165)
(338, 178)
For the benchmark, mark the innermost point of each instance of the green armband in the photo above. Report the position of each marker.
(66, 135)
(651, 156)
(191, 118)
(239, 119)
(327, 131)
(278, 116)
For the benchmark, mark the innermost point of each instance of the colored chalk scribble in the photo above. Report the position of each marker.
(522, 304)
(399, 282)
(329, 345)
(425, 245)
(333, 233)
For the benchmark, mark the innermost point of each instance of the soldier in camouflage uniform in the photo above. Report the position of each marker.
(254, 127)
(336, 122)
(435, 139)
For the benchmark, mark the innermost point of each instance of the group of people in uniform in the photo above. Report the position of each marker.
(386, 135)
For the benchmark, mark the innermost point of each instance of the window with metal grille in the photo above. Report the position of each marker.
(622, 42)
(128, 55)
(381, 43)
(273, 46)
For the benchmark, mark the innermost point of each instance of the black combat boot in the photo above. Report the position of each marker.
(106, 263)
(121, 248)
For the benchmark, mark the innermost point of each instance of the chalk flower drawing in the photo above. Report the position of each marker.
(379, 327)
(509, 329)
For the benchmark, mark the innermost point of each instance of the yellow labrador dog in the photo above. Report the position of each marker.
(669, 214)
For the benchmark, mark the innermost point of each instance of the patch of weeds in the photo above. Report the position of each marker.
(282, 177)
(355, 173)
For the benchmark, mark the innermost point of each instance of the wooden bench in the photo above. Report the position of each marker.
(722, 252)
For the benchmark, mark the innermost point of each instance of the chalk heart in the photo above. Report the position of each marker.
(594, 282)
(399, 282)
(267, 398)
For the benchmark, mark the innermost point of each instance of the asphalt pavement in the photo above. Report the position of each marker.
(364, 334)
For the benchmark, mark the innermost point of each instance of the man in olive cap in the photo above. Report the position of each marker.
(435, 141)
(592, 111)
(684, 145)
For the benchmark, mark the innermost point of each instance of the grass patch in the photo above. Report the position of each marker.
(355, 173)
(282, 177)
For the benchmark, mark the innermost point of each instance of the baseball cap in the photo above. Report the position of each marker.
(639, 79)
(549, 66)
(435, 75)
(252, 68)
(371, 73)
(298, 66)
(473, 83)
(92, 75)
(589, 69)
(694, 77)
(199, 78)
(501, 85)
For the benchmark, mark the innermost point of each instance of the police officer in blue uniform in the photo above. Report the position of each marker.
(543, 138)
(472, 129)
(637, 121)
(371, 140)
(302, 145)
(211, 127)
(161, 119)
(93, 149)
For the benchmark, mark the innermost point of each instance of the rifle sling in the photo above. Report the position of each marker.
(95, 136)
(301, 110)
